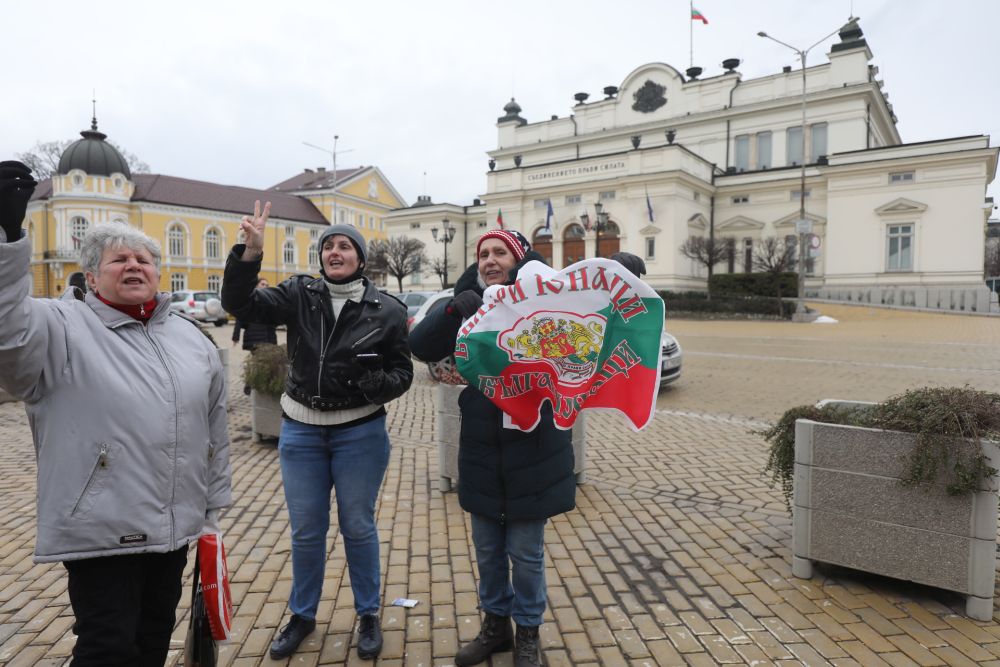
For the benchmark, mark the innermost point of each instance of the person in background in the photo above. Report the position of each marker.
(631, 262)
(348, 351)
(511, 482)
(127, 404)
(254, 334)
(76, 286)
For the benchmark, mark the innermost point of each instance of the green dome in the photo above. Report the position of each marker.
(93, 155)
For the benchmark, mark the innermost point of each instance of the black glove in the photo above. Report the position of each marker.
(631, 262)
(16, 186)
(465, 304)
(371, 382)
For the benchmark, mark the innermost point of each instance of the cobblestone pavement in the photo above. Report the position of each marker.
(678, 552)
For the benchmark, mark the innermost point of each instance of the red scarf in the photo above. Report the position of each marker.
(140, 311)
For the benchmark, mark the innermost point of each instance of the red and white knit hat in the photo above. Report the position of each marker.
(515, 241)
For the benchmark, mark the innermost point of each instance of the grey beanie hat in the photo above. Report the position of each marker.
(350, 232)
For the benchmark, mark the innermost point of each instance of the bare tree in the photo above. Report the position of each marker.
(43, 158)
(706, 251)
(399, 256)
(439, 269)
(992, 266)
(774, 256)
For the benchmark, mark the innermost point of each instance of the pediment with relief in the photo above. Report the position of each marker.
(901, 206)
(789, 220)
(698, 221)
(649, 230)
(740, 223)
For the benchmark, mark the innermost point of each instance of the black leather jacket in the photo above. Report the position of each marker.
(323, 365)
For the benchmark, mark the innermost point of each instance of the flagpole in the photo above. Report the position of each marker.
(691, 31)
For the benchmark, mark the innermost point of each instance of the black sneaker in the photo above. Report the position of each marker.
(288, 640)
(369, 637)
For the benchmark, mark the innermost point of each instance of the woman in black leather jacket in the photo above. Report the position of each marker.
(348, 356)
(510, 481)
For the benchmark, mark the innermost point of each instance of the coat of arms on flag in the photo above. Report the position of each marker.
(585, 337)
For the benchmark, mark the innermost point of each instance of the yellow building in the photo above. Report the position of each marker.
(196, 222)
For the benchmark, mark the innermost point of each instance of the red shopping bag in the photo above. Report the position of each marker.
(215, 586)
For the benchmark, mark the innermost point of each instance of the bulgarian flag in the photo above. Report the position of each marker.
(698, 16)
(587, 336)
(500, 218)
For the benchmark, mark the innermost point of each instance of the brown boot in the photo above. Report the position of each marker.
(527, 652)
(495, 635)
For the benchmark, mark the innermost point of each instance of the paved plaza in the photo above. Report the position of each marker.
(677, 553)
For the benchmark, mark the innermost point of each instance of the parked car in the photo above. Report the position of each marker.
(421, 311)
(413, 300)
(670, 359)
(202, 306)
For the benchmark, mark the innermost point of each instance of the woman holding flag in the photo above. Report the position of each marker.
(510, 481)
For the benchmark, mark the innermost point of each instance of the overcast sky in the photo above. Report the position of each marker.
(228, 91)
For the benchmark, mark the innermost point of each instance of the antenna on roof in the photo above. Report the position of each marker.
(333, 183)
(93, 120)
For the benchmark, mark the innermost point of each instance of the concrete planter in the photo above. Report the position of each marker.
(266, 416)
(850, 509)
(449, 421)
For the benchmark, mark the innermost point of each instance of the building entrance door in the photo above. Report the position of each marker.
(573, 248)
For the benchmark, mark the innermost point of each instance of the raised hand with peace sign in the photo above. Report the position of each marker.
(253, 230)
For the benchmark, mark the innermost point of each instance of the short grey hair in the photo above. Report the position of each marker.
(114, 235)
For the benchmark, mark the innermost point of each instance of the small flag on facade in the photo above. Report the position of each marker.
(649, 209)
(698, 16)
(500, 218)
(548, 217)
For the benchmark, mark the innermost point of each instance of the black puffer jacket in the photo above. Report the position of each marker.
(254, 334)
(323, 367)
(502, 473)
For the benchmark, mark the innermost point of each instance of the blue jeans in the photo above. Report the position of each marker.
(352, 462)
(511, 561)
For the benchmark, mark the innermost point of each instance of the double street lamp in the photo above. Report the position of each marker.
(447, 235)
(800, 305)
(600, 226)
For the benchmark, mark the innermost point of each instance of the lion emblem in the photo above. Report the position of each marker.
(568, 342)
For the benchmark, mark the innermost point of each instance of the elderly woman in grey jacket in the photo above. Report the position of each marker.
(127, 408)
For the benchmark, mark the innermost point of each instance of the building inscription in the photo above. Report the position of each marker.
(576, 171)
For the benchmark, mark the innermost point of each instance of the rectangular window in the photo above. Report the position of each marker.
(818, 145)
(764, 150)
(414, 225)
(371, 222)
(481, 224)
(415, 276)
(650, 247)
(214, 284)
(361, 220)
(900, 248)
(742, 152)
(341, 216)
(313, 234)
(606, 195)
(541, 203)
(697, 196)
(901, 177)
(731, 254)
(178, 281)
(741, 199)
(797, 194)
(289, 230)
(747, 255)
(573, 199)
(793, 146)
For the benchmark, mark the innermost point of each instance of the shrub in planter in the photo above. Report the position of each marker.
(265, 369)
(906, 488)
(753, 284)
(940, 417)
(264, 372)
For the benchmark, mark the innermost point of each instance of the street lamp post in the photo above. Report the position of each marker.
(447, 235)
(800, 305)
(599, 225)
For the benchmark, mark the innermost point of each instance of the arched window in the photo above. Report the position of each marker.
(573, 247)
(77, 230)
(213, 244)
(610, 241)
(176, 240)
(289, 252)
(541, 242)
